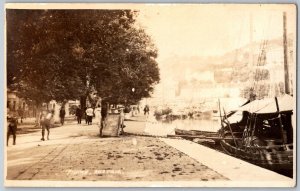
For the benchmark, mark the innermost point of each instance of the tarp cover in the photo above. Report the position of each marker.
(268, 105)
(236, 117)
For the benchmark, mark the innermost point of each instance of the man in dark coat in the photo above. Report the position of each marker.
(12, 129)
(79, 114)
(146, 110)
(62, 114)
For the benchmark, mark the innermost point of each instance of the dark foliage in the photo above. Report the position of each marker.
(64, 54)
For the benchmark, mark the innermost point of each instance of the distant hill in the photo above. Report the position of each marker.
(238, 61)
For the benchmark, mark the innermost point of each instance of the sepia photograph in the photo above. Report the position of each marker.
(150, 95)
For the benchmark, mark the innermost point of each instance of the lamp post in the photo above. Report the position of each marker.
(133, 90)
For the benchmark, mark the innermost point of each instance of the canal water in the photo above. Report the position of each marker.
(167, 127)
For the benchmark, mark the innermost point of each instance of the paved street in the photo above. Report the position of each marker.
(76, 152)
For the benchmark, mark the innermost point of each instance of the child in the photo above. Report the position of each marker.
(89, 114)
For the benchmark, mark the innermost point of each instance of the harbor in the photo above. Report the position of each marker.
(190, 95)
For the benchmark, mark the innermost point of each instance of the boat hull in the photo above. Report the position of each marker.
(276, 158)
(195, 133)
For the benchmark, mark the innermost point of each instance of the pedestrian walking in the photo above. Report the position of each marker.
(122, 117)
(62, 114)
(12, 129)
(46, 121)
(146, 110)
(89, 115)
(97, 114)
(134, 110)
(21, 114)
(78, 114)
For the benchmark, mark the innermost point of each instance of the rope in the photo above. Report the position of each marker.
(260, 61)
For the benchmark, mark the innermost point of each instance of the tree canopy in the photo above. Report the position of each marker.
(64, 54)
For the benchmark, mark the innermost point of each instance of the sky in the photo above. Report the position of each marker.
(210, 30)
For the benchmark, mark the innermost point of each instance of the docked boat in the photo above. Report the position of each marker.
(195, 133)
(264, 135)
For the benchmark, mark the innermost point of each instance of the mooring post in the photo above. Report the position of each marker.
(280, 122)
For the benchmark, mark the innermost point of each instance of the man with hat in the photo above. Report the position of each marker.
(12, 128)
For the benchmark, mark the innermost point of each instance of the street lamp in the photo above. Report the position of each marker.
(132, 98)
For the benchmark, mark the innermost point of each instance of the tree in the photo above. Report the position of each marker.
(38, 64)
(65, 54)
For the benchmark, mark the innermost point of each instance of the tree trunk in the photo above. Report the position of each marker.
(83, 102)
(37, 113)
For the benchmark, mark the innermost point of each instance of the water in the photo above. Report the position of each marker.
(164, 127)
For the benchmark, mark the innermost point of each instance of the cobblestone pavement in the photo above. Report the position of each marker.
(75, 152)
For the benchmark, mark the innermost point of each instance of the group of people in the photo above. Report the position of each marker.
(87, 113)
(46, 120)
(136, 109)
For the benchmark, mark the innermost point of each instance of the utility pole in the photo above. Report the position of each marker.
(286, 66)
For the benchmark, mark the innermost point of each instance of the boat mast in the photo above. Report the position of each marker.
(286, 67)
(251, 42)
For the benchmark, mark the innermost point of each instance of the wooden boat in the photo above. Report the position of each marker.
(196, 133)
(263, 136)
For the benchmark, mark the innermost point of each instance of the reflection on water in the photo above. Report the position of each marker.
(164, 127)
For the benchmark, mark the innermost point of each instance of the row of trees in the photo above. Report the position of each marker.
(66, 54)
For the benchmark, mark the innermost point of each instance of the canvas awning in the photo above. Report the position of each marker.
(268, 105)
(236, 117)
